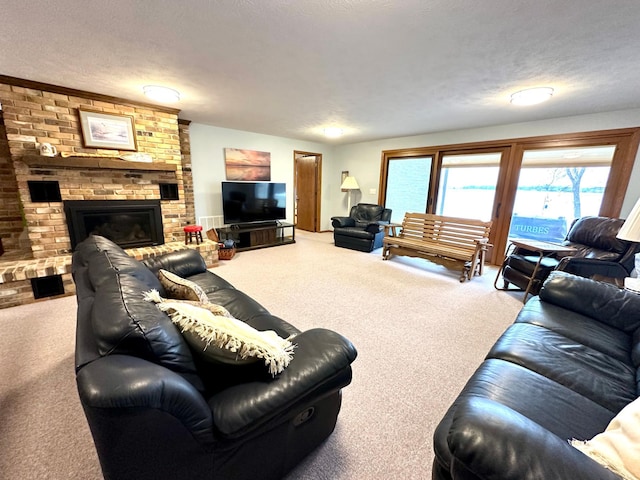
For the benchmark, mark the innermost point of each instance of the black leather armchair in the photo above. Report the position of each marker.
(599, 255)
(362, 230)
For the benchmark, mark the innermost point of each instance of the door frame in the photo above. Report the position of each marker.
(318, 184)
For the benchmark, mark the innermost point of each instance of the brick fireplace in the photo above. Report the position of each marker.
(34, 225)
(129, 223)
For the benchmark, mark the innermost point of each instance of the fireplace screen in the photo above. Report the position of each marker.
(129, 223)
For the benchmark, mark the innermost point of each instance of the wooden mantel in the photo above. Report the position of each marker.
(95, 162)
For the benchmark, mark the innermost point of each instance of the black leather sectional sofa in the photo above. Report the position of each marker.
(158, 412)
(563, 370)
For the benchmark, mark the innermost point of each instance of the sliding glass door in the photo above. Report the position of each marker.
(467, 186)
(556, 186)
(530, 187)
(407, 185)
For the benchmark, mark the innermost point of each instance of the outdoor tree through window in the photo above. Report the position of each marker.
(555, 187)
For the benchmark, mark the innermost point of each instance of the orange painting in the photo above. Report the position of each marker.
(249, 165)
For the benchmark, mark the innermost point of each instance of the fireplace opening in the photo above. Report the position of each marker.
(129, 223)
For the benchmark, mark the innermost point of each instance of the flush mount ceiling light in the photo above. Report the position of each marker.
(531, 96)
(333, 132)
(161, 94)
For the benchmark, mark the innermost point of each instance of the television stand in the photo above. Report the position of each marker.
(249, 236)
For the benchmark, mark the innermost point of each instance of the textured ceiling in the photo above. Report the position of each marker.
(375, 68)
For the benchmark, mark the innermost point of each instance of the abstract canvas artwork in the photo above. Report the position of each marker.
(248, 165)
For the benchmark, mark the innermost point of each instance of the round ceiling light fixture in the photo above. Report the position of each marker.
(532, 96)
(161, 94)
(333, 132)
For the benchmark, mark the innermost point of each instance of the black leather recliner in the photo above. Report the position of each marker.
(599, 255)
(158, 412)
(362, 230)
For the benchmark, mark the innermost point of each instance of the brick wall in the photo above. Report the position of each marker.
(36, 115)
(185, 148)
(11, 224)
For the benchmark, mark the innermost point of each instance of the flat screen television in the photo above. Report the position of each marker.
(247, 202)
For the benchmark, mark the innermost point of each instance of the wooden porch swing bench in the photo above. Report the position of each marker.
(430, 236)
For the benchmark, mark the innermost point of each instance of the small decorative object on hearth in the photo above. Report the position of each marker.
(47, 150)
(137, 157)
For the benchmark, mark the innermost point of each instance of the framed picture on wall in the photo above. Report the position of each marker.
(247, 165)
(108, 130)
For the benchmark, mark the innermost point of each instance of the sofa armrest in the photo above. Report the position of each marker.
(374, 227)
(488, 440)
(604, 302)
(320, 366)
(121, 383)
(342, 222)
(183, 263)
(587, 267)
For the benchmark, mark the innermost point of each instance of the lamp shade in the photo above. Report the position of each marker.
(350, 183)
(631, 228)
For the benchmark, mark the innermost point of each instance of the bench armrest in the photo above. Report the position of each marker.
(391, 229)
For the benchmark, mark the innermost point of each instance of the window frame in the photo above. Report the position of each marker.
(625, 140)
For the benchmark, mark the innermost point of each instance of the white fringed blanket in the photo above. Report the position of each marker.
(204, 329)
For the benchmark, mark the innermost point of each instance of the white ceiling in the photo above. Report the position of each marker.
(376, 68)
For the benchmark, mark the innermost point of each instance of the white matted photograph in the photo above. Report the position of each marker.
(107, 130)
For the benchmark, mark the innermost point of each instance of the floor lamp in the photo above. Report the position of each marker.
(349, 184)
(630, 231)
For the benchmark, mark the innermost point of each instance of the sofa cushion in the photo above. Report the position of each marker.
(577, 327)
(603, 302)
(181, 288)
(367, 213)
(245, 308)
(549, 404)
(585, 370)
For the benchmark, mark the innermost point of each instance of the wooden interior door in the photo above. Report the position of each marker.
(307, 168)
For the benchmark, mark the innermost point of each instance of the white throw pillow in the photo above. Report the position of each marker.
(222, 338)
(618, 447)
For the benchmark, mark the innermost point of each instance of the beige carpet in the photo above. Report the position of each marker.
(420, 334)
